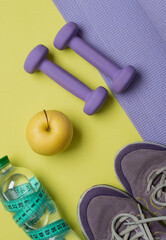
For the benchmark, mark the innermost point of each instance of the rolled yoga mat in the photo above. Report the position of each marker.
(127, 33)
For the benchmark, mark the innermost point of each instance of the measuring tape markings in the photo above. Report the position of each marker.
(22, 216)
(23, 189)
(29, 208)
(49, 203)
(54, 229)
(18, 204)
(19, 191)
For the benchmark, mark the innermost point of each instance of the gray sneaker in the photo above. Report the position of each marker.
(106, 213)
(141, 169)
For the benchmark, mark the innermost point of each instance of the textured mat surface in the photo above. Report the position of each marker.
(128, 32)
(156, 12)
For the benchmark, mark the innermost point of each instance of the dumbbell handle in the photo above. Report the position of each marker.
(65, 79)
(91, 55)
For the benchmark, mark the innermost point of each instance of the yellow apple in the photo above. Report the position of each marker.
(49, 132)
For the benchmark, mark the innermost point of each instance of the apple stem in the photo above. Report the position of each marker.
(48, 128)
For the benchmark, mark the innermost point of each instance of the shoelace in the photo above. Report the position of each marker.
(144, 231)
(159, 186)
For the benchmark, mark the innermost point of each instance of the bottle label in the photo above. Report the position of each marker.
(31, 203)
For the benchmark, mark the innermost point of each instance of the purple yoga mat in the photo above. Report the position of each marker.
(127, 33)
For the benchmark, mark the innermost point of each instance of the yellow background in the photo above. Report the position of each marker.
(90, 158)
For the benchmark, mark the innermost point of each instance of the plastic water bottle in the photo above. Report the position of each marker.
(31, 206)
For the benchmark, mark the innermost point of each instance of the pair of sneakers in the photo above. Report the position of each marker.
(107, 213)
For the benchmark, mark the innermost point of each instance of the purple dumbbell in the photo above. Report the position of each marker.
(67, 36)
(37, 60)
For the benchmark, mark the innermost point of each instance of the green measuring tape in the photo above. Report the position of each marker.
(31, 202)
(37, 199)
(55, 229)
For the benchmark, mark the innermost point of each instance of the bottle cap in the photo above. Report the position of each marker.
(4, 162)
